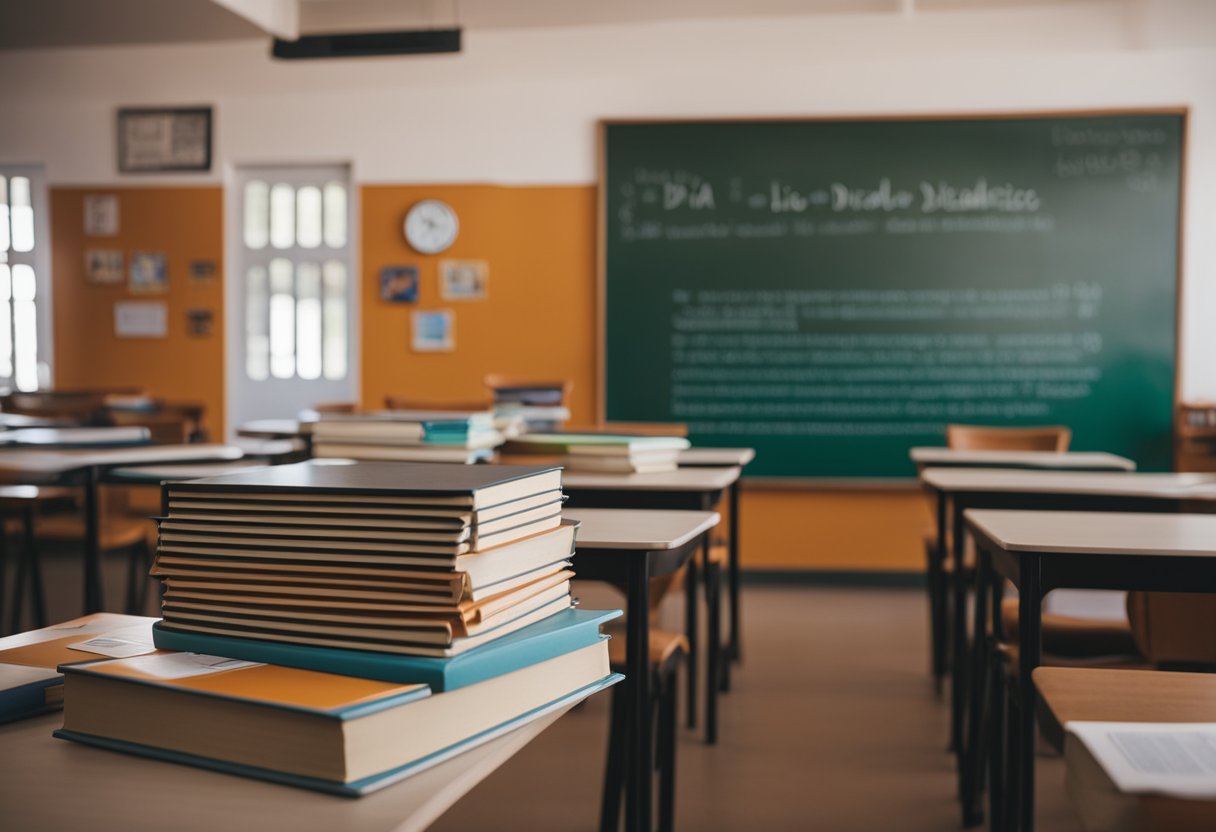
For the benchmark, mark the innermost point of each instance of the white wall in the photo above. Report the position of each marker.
(520, 106)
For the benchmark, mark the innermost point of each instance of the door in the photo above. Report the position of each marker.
(291, 296)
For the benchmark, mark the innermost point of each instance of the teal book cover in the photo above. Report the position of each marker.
(554, 636)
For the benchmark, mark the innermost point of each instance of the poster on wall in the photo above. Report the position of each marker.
(141, 319)
(103, 265)
(164, 138)
(464, 279)
(149, 273)
(399, 284)
(199, 322)
(101, 215)
(433, 331)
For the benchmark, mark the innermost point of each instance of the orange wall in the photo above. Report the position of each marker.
(538, 320)
(186, 224)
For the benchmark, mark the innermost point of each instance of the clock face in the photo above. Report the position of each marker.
(431, 226)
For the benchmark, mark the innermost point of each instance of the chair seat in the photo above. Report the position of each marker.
(719, 554)
(664, 645)
(42, 498)
(117, 532)
(1067, 636)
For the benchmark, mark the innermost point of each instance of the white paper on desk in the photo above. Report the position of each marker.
(1171, 758)
(115, 648)
(183, 665)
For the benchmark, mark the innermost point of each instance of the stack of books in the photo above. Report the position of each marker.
(408, 436)
(605, 453)
(341, 626)
(540, 405)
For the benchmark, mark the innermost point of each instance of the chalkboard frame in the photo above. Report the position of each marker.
(871, 483)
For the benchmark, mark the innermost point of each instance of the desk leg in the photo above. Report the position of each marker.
(716, 653)
(998, 708)
(971, 773)
(640, 770)
(4, 605)
(736, 648)
(939, 607)
(94, 595)
(35, 567)
(1029, 649)
(691, 631)
(958, 652)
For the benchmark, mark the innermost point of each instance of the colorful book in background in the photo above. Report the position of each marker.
(610, 453)
(408, 436)
(316, 730)
(30, 684)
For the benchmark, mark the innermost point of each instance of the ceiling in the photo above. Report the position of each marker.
(46, 23)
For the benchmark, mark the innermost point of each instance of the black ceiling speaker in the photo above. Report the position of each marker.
(370, 44)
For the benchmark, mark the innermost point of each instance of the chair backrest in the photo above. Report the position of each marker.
(410, 403)
(1174, 628)
(985, 438)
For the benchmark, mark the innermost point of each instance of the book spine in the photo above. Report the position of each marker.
(29, 700)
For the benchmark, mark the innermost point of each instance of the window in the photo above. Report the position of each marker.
(295, 261)
(24, 343)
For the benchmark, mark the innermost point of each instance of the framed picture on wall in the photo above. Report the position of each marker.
(463, 279)
(152, 139)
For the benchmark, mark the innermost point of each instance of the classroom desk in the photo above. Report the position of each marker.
(76, 437)
(726, 457)
(52, 784)
(1039, 551)
(627, 548)
(954, 490)
(936, 457)
(1103, 695)
(157, 474)
(696, 489)
(17, 421)
(86, 468)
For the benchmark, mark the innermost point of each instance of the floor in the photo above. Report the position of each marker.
(832, 725)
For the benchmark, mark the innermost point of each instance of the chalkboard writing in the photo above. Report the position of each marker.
(835, 292)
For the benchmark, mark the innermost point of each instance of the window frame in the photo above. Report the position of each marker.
(40, 260)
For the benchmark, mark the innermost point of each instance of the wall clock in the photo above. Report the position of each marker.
(431, 226)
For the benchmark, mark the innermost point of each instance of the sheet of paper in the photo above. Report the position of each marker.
(16, 675)
(183, 665)
(115, 648)
(141, 319)
(1177, 759)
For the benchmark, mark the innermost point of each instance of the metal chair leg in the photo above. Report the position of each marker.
(714, 651)
(37, 593)
(667, 751)
(691, 628)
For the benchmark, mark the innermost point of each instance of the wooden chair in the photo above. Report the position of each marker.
(121, 530)
(169, 423)
(667, 652)
(336, 407)
(985, 438)
(19, 504)
(1054, 438)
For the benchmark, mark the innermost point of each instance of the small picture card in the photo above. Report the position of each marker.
(149, 273)
(199, 322)
(141, 319)
(202, 270)
(433, 331)
(399, 284)
(185, 665)
(464, 279)
(115, 648)
(101, 215)
(104, 265)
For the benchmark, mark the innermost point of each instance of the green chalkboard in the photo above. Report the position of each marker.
(834, 292)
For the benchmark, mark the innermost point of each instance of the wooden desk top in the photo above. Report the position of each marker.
(53, 784)
(1100, 483)
(17, 421)
(76, 437)
(1103, 695)
(47, 466)
(714, 457)
(1047, 460)
(1098, 533)
(184, 471)
(681, 479)
(274, 429)
(641, 529)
